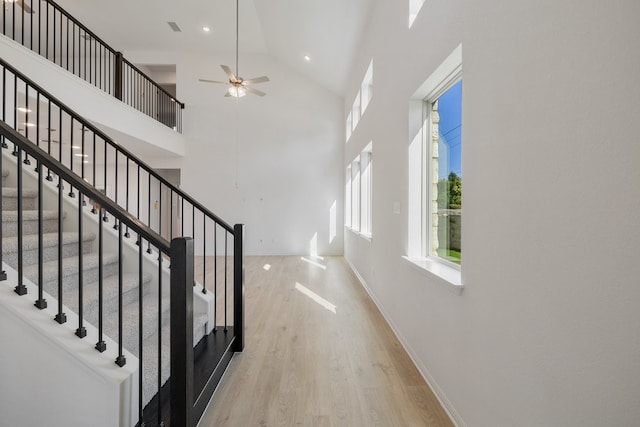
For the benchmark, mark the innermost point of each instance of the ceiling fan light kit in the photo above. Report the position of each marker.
(238, 87)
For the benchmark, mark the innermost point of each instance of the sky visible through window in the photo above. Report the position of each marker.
(450, 109)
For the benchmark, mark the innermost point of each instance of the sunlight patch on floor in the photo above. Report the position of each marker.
(315, 297)
(312, 262)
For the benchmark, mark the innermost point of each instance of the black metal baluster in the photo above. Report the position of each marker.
(126, 233)
(15, 110)
(46, 33)
(171, 215)
(149, 215)
(204, 253)
(31, 25)
(41, 303)
(20, 289)
(4, 103)
(83, 156)
(160, 208)
(115, 222)
(26, 121)
(67, 40)
(54, 36)
(95, 160)
(140, 334)
(71, 193)
(49, 177)
(182, 215)
(3, 273)
(215, 277)
(73, 48)
(226, 235)
(22, 29)
(39, 26)
(105, 218)
(120, 360)
(100, 345)
(60, 317)
(160, 423)
(81, 331)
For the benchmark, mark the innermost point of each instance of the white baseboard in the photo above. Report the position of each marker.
(454, 416)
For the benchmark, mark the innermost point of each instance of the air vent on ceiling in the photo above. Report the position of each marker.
(174, 27)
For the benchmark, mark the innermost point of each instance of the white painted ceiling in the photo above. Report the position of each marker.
(329, 31)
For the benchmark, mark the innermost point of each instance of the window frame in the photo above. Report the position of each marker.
(438, 270)
(427, 168)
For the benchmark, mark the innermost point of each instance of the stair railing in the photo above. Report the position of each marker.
(186, 402)
(49, 30)
(135, 187)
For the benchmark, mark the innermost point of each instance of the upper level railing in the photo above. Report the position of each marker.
(46, 28)
(81, 157)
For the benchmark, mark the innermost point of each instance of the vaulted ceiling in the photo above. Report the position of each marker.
(328, 31)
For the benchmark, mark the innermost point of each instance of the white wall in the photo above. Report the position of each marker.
(546, 332)
(273, 162)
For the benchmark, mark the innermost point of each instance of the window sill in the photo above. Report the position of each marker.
(365, 236)
(447, 276)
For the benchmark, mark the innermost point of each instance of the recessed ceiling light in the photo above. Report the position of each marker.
(24, 110)
(76, 147)
(81, 155)
(206, 29)
(30, 125)
(307, 58)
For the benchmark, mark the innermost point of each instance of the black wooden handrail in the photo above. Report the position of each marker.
(160, 88)
(81, 25)
(75, 181)
(87, 124)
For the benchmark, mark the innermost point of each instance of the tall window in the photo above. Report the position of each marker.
(355, 194)
(358, 184)
(365, 191)
(361, 102)
(445, 187)
(347, 198)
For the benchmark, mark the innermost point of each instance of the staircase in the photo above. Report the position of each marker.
(112, 271)
(90, 273)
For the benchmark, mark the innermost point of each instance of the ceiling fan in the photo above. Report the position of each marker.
(20, 3)
(238, 87)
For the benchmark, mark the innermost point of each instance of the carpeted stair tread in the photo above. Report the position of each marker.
(28, 215)
(70, 266)
(70, 247)
(30, 241)
(13, 192)
(130, 282)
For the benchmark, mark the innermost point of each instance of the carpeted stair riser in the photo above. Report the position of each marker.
(10, 199)
(29, 222)
(70, 247)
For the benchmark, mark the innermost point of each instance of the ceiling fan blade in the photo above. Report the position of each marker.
(229, 73)
(26, 8)
(257, 80)
(213, 81)
(254, 91)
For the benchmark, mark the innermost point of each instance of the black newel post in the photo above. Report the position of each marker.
(182, 331)
(238, 287)
(117, 76)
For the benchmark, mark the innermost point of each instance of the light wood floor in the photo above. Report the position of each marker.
(306, 365)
